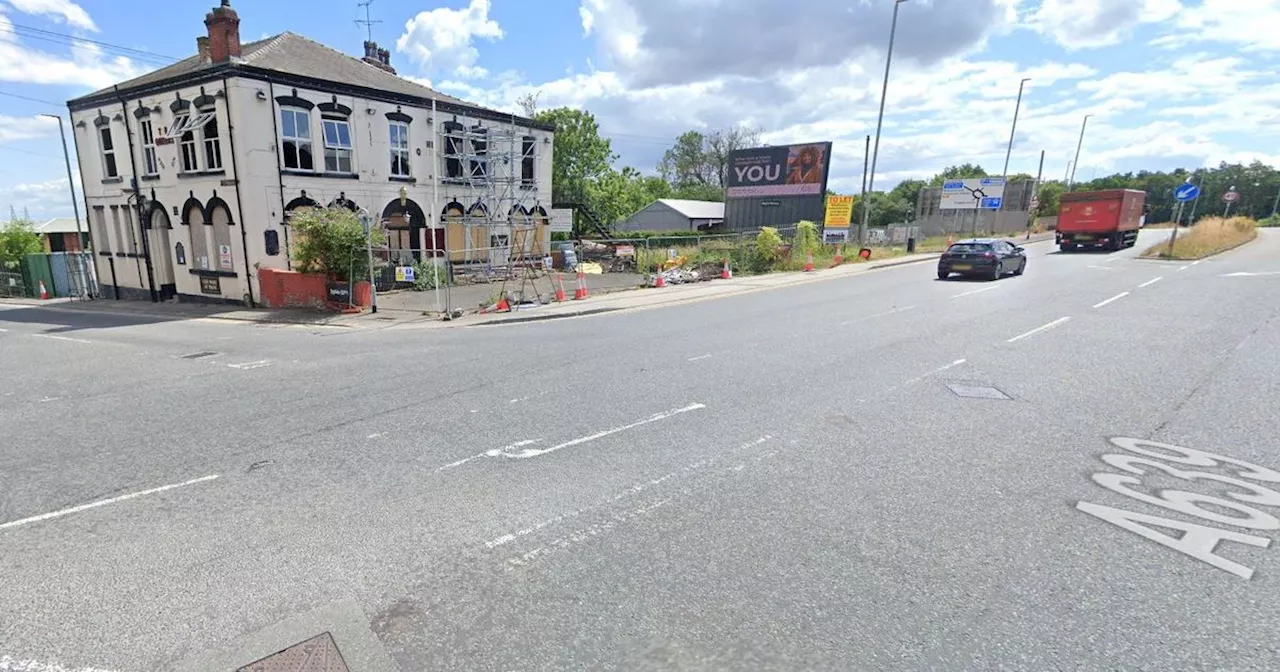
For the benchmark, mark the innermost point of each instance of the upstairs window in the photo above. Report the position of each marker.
(212, 144)
(480, 154)
(109, 167)
(188, 153)
(453, 150)
(337, 146)
(150, 166)
(295, 139)
(399, 139)
(528, 160)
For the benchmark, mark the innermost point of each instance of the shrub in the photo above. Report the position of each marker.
(1273, 220)
(807, 239)
(428, 275)
(1209, 236)
(333, 241)
(18, 239)
(767, 251)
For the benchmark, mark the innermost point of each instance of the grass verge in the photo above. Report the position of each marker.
(1208, 237)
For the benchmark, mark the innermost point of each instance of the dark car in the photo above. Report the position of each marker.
(982, 257)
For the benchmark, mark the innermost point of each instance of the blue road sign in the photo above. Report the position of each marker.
(991, 203)
(1186, 192)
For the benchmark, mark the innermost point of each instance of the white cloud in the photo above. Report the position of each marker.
(59, 10)
(86, 65)
(1252, 24)
(442, 39)
(1085, 24)
(26, 128)
(50, 198)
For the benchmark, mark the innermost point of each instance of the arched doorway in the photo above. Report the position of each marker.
(541, 228)
(404, 223)
(162, 250)
(451, 219)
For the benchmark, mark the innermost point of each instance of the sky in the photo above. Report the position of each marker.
(1168, 83)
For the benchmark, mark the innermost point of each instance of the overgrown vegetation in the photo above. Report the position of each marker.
(1272, 221)
(428, 275)
(333, 241)
(1210, 236)
(806, 237)
(18, 238)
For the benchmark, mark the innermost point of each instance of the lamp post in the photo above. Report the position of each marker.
(1014, 129)
(66, 158)
(1076, 162)
(884, 91)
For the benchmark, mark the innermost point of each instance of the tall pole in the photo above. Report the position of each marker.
(1066, 175)
(1076, 163)
(1035, 191)
(866, 158)
(1014, 129)
(1275, 207)
(875, 153)
(66, 157)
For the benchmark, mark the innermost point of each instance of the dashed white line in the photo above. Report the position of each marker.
(535, 452)
(1043, 327)
(1152, 281)
(977, 291)
(4, 330)
(699, 357)
(62, 338)
(104, 502)
(251, 365)
(936, 371)
(886, 313)
(1117, 297)
(1183, 268)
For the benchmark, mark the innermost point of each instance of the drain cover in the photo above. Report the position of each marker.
(198, 355)
(318, 654)
(978, 392)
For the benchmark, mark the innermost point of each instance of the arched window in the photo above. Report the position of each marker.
(193, 217)
(220, 221)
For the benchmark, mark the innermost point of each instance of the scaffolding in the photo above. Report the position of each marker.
(494, 224)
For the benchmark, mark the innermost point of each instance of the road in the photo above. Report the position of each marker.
(815, 477)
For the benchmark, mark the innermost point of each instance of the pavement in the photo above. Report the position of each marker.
(1071, 469)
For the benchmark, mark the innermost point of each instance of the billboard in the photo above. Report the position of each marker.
(789, 170)
(979, 193)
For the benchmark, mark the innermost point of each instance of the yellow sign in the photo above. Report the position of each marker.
(839, 212)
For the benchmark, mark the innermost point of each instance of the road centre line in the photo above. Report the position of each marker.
(699, 357)
(936, 371)
(1117, 297)
(62, 338)
(1043, 327)
(887, 313)
(977, 291)
(104, 502)
(1152, 281)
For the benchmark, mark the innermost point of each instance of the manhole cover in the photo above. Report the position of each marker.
(978, 392)
(198, 355)
(318, 654)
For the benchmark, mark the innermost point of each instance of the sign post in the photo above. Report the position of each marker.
(1230, 198)
(1183, 194)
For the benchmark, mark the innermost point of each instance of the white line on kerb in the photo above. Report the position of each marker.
(977, 291)
(104, 502)
(1152, 281)
(1117, 297)
(1039, 329)
(535, 452)
(62, 338)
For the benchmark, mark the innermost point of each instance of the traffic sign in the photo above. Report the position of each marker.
(1231, 196)
(1186, 192)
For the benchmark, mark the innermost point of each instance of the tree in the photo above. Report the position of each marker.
(580, 155)
(1049, 193)
(18, 238)
(908, 191)
(963, 171)
(697, 161)
(529, 104)
(332, 241)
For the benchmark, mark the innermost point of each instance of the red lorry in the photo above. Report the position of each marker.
(1109, 219)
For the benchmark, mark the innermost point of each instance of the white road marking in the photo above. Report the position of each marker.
(1183, 268)
(977, 291)
(887, 313)
(4, 330)
(1117, 297)
(1152, 281)
(104, 502)
(1101, 268)
(936, 371)
(536, 452)
(9, 663)
(1197, 261)
(251, 365)
(521, 399)
(48, 399)
(62, 338)
(694, 359)
(1240, 274)
(487, 453)
(374, 435)
(1043, 327)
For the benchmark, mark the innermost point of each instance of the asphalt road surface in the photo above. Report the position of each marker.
(1072, 469)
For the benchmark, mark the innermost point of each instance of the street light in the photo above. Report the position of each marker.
(1014, 129)
(66, 157)
(884, 91)
(1076, 163)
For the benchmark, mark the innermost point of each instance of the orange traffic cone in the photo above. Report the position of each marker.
(808, 262)
(560, 297)
(44, 293)
(581, 292)
(725, 273)
(503, 306)
(839, 258)
(659, 281)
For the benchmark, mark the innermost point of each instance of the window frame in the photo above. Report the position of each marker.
(110, 166)
(298, 141)
(399, 149)
(188, 146)
(213, 143)
(478, 170)
(337, 150)
(528, 160)
(147, 133)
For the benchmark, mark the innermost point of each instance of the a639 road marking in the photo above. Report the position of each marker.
(1235, 480)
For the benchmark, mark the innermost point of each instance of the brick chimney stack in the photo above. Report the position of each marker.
(378, 58)
(202, 49)
(224, 33)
